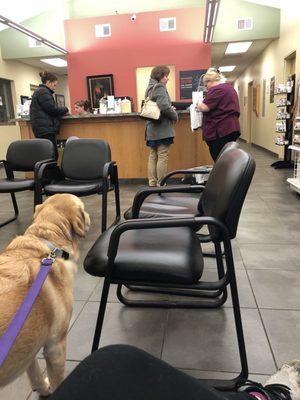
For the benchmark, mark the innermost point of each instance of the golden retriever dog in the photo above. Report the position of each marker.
(62, 221)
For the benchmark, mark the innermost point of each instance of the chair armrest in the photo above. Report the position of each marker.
(9, 172)
(141, 195)
(39, 163)
(183, 172)
(108, 169)
(161, 223)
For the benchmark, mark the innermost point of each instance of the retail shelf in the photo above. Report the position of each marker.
(294, 183)
(294, 147)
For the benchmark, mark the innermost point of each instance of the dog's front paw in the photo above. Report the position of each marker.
(44, 391)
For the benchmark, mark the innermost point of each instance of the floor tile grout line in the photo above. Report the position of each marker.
(165, 333)
(263, 324)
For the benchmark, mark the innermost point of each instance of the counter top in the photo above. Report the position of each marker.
(95, 116)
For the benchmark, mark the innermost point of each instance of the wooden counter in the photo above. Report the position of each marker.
(125, 134)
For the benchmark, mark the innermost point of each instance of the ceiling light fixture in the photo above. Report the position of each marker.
(57, 62)
(237, 47)
(27, 32)
(212, 8)
(227, 68)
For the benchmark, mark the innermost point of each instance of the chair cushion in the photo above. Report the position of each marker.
(170, 255)
(79, 188)
(16, 185)
(181, 205)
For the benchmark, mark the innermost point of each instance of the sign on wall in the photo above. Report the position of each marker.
(189, 82)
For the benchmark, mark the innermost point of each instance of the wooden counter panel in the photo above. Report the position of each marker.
(126, 137)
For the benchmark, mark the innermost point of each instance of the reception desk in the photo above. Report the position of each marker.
(125, 134)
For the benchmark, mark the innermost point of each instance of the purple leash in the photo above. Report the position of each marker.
(9, 337)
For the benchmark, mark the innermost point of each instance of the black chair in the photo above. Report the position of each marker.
(86, 169)
(171, 201)
(121, 372)
(165, 253)
(25, 156)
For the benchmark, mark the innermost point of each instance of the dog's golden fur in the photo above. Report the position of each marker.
(61, 220)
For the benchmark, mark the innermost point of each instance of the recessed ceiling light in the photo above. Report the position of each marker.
(238, 47)
(57, 62)
(227, 68)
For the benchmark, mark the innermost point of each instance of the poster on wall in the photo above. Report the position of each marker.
(272, 89)
(189, 82)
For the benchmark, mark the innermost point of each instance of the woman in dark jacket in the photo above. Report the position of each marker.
(44, 114)
(159, 134)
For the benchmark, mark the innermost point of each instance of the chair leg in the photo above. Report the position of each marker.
(16, 210)
(171, 303)
(101, 313)
(104, 212)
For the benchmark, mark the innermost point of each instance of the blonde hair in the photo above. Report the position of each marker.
(213, 75)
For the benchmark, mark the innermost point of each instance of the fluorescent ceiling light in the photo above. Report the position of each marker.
(57, 62)
(238, 47)
(227, 68)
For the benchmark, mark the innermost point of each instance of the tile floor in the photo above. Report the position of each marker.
(200, 342)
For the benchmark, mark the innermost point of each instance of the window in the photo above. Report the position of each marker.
(6, 103)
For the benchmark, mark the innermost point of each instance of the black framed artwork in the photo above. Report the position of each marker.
(60, 100)
(24, 98)
(99, 86)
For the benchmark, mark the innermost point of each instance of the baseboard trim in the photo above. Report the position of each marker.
(264, 149)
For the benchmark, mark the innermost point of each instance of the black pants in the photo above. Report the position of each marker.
(52, 138)
(215, 146)
(122, 372)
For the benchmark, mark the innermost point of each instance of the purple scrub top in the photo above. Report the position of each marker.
(223, 117)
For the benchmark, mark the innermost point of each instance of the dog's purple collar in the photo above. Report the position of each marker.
(15, 326)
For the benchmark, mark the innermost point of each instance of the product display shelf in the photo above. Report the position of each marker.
(286, 130)
(295, 181)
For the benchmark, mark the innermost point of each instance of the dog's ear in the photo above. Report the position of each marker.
(80, 223)
(38, 209)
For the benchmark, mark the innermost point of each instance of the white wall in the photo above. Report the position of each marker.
(271, 63)
(22, 76)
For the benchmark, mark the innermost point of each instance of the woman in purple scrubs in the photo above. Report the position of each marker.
(221, 112)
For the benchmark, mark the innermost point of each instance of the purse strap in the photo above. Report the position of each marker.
(150, 97)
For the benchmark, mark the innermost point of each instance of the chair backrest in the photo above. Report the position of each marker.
(226, 189)
(84, 159)
(226, 147)
(22, 155)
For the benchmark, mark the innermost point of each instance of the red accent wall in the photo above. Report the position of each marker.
(132, 45)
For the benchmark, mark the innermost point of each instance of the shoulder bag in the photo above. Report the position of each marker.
(150, 109)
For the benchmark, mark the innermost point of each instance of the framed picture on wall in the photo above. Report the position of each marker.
(60, 100)
(23, 99)
(99, 86)
(272, 89)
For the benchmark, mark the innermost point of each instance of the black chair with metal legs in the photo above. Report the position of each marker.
(86, 169)
(165, 253)
(212, 198)
(24, 156)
